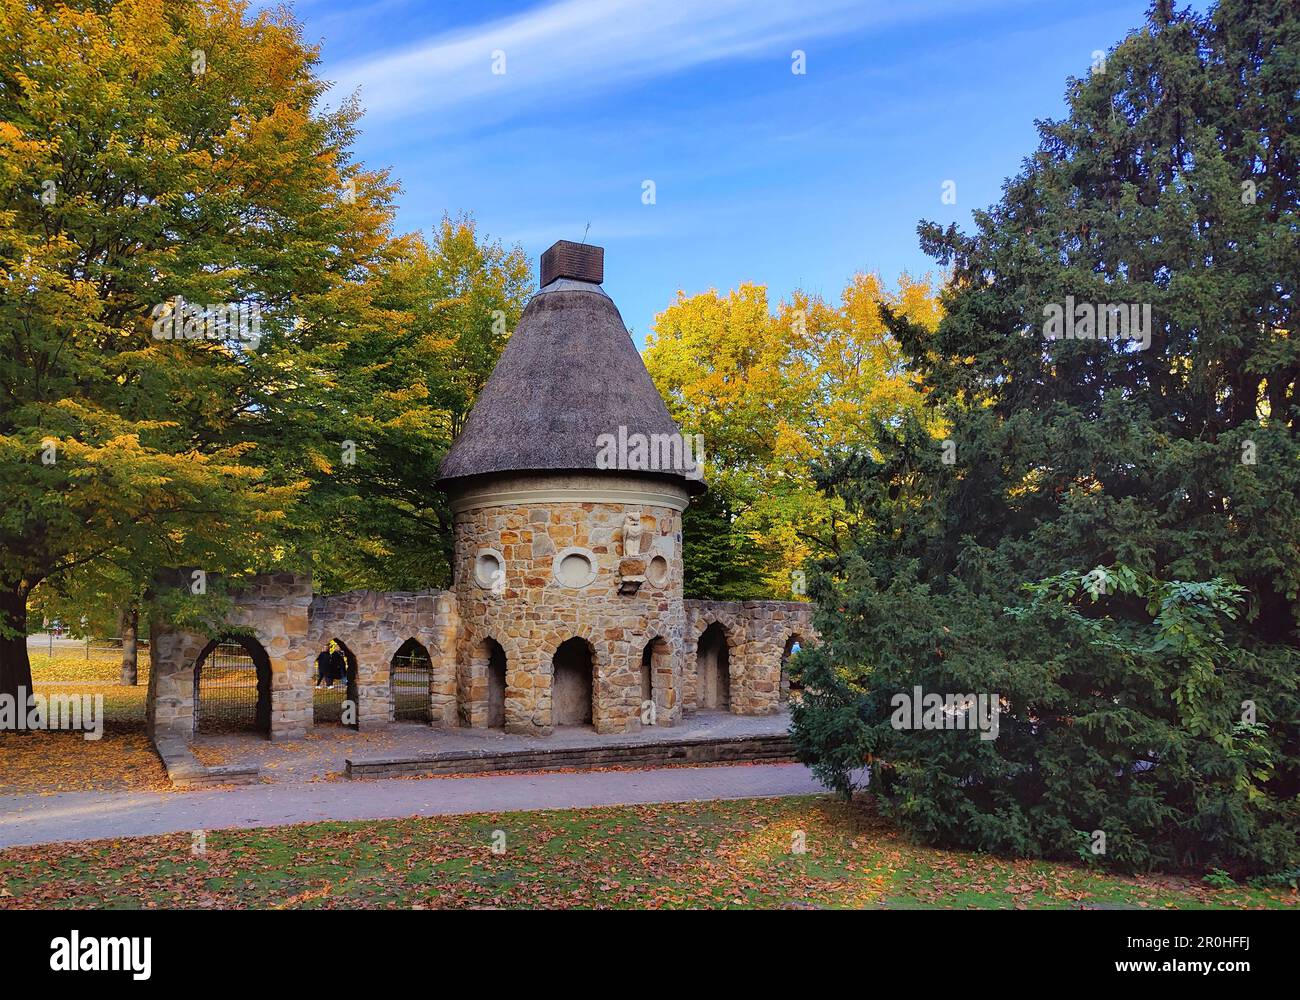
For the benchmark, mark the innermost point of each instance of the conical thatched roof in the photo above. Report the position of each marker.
(569, 374)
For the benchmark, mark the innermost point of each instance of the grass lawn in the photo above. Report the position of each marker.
(101, 666)
(71, 672)
(65, 762)
(713, 854)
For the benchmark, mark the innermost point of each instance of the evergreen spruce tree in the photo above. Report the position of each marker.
(1150, 706)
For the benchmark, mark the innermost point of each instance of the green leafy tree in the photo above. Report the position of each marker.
(150, 156)
(102, 599)
(398, 392)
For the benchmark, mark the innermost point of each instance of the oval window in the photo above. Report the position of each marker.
(657, 571)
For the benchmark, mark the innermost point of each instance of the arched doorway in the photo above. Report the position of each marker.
(334, 696)
(409, 677)
(656, 679)
(713, 669)
(572, 673)
(791, 680)
(232, 687)
(496, 683)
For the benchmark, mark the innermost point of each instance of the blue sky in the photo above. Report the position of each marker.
(760, 174)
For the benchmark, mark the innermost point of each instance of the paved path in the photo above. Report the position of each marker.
(38, 819)
(327, 747)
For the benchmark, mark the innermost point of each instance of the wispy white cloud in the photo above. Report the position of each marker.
(557, 52)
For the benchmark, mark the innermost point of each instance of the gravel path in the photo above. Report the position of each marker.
(68, 816)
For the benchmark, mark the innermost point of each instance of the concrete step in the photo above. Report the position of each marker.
(649, 754)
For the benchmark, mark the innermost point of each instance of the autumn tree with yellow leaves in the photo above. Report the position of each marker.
(775, 389)
(154, 154)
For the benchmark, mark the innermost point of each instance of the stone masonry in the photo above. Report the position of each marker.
(275, 610)
(530, 618)
(757, 634)
(373, 626)
(532, 610)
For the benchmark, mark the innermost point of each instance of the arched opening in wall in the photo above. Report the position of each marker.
(496, 683)
(713, 669)
(656, 677)
(409, 676)
(791, 678)
(232, 687)
(573, 669)
(334, 697)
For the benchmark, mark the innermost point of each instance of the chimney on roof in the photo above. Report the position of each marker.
(579, 261)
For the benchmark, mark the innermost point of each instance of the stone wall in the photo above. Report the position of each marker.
(274, 609)
(757, 633)
(373, 626)
(279, 614)
(530, 609)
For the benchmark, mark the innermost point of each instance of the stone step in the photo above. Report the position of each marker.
(184, 770)
(649, 754)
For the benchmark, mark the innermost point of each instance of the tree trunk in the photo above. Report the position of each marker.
(130, 629)
(15, 667)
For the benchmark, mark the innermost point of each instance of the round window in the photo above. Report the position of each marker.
(489, 570)
(574, 567)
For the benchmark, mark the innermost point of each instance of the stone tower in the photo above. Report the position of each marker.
(567, 488)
